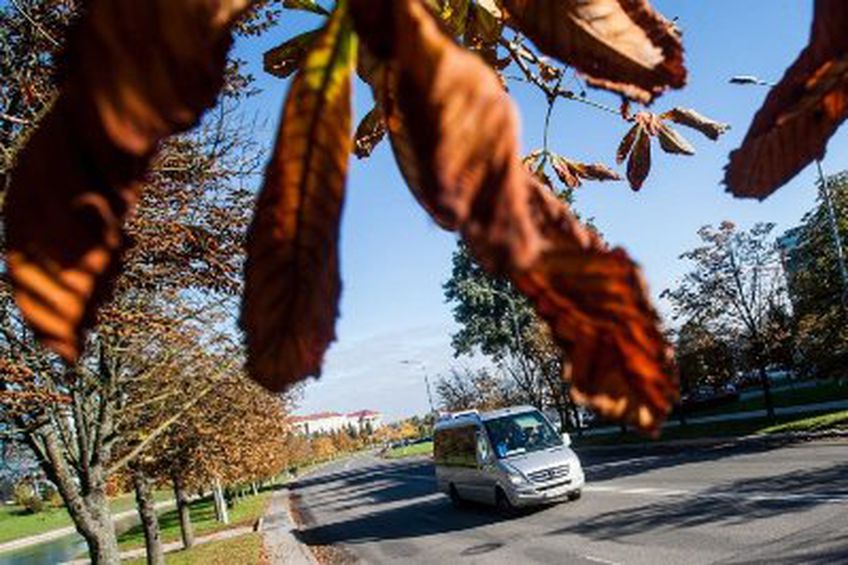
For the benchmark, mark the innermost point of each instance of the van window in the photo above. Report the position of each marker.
(521, 433)
(455, 447)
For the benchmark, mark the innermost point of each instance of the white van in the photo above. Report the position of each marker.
(510, 457)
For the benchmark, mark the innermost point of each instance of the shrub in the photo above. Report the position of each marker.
(50, 495)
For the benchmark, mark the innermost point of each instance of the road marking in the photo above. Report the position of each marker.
(828, 498)
(600, 560)
(624, 462)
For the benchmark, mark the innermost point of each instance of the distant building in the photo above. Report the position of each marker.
(365, 420)
(330, 422)
(793, 256)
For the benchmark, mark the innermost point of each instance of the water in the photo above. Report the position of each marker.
(66, 548)
(56, 551)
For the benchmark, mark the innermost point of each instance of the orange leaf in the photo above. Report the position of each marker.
(572, 173)
(597, 306)
(626, 144)
(292, 280)
(462, 128)
(639, 163)
(673, 142)
(369, 133)
(800, 114)
(621, 45)
(284, 59)
(138, 72)
(690, 118)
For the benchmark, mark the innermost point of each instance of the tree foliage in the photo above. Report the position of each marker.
(819, 296)
(735, 288)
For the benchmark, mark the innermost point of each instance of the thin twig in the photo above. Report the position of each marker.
(35, 24)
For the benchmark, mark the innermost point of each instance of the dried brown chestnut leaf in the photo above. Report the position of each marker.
(138, 72)
(621, 45)
(292, 282)
(800, 114)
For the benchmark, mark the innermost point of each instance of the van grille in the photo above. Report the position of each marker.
(549, 474)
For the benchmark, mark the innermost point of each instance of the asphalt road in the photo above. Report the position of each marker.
(727, 504)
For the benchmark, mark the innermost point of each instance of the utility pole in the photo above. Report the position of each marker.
(834, 228)
(751, 80)
(423, 368)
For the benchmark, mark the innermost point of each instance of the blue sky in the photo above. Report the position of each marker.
(394, 259)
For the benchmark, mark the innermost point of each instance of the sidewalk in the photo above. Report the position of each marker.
(278, 534)
(58, 533)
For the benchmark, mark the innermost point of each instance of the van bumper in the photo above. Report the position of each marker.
(546, 494)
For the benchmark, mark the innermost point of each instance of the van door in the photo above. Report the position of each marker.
(483, 479)
(457, 455)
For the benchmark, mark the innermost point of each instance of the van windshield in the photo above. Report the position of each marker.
(521, 433)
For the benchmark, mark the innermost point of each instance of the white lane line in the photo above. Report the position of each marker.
(393, 475)
(830, 498)
(623, 462)
(600, 560)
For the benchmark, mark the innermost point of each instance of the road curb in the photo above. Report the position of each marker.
(764, 439)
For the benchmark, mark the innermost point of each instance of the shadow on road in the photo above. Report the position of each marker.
(629, 462)
(423, 518)
(734, 503)
(415, 509)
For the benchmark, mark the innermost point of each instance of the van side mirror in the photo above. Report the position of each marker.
(484, 454)
(566, 439)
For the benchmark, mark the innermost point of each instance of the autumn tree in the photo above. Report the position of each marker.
(734, 287)
(233, 437)
(181, 259)
(704, 357)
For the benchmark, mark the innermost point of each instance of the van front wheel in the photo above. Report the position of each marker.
(504, 506)
(455, 499)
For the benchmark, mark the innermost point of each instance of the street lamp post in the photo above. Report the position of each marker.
(834, 228)
(423, 368)
(824, 190)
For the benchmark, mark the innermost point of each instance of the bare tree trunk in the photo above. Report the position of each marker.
(147, 515)
(220, 503)
(766, 384)
(86, 503)
(181, 496)
(254, 488)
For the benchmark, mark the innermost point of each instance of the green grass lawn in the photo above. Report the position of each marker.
(243, 550)
(410, 450)
(834, 420)
(789, 423)
(245, 513)
(17, 522)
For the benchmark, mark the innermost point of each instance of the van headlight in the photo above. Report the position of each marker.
(516, 477)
